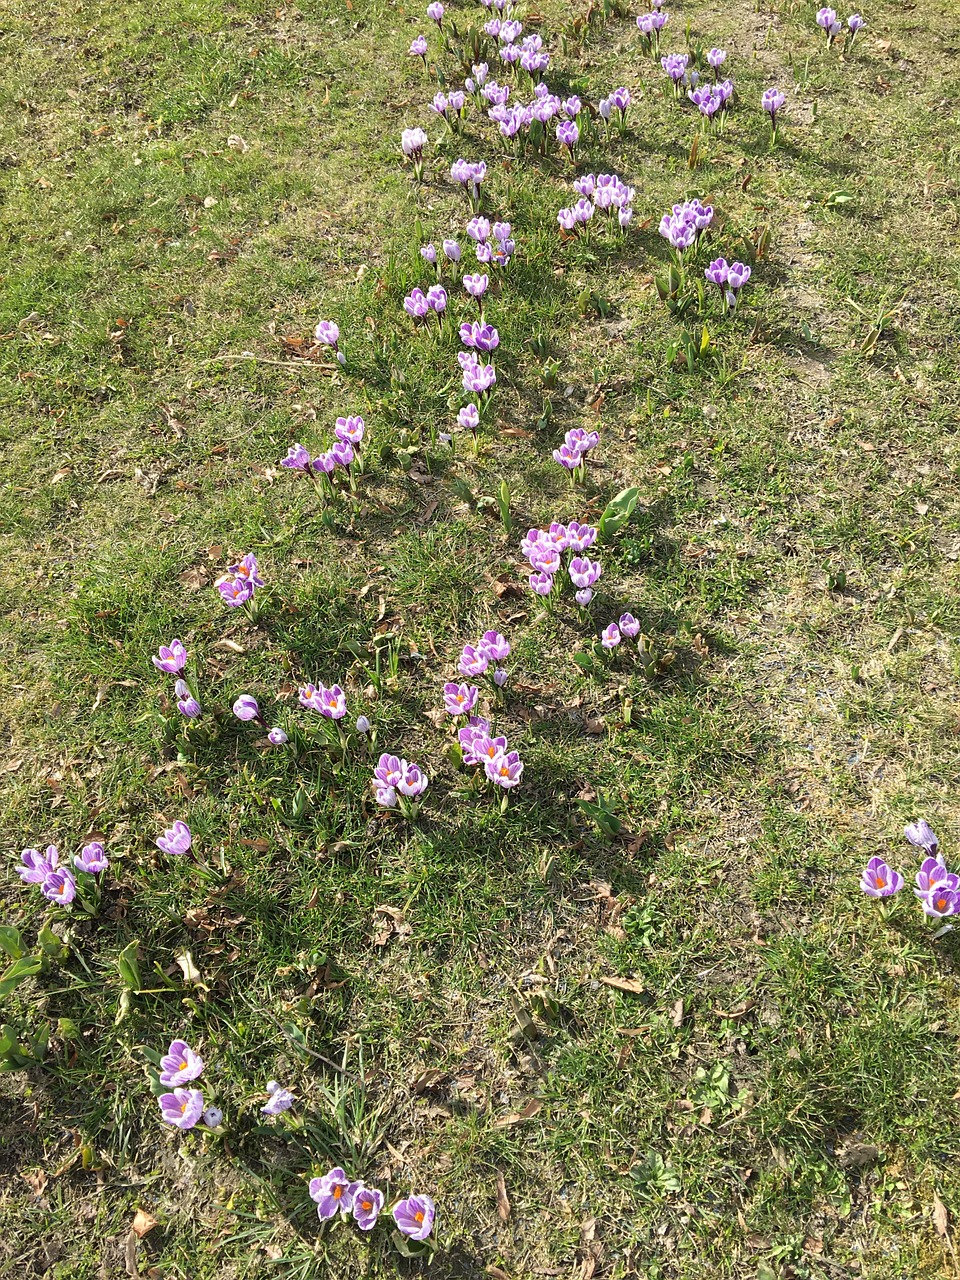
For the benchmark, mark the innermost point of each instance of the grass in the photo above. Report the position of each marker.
(776, 1096)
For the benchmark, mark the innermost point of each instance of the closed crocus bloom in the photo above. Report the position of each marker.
(541, 584)
(414, 1217)
(180, 1065)
(500, 677)
(476, 285)
(59, 886)
(480, 72)
(187, 704)
(583, 572)
(415, 304)
(716, 273)
(478, 229)
(342, 453)
(567, 219)
(451, 250)
(325, 463)
(738, 275)
(628, 625)
(212, 1117)
(826, 18)
(418, 48)
(583, 596)
(412, 141)
(624, 217)
(437, 298)
(567, 133)
(176, 840)
(717, 57)
(572, 106)
(922, 837)
(327, 333)
(469, 417)
(246, 708)
(435, 13)
(439, 104)
(92, 859)
(182, 1108)
(277, 737)
(171, 658)
(771, 101)
(428, 253)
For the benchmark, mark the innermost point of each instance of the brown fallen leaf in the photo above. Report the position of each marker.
(394, 923)
(632, 986)
(732, 1015)
(189, 969)
(676, 1013)
(503, 1200)
(143, 1223)
(941, 1219)
(195, 578)
(130, 1256)
(517, 1117)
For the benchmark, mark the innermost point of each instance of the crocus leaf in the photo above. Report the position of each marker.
(618, 512)
(18, 972)
(129, 967)
(11, 941)
(50, 944)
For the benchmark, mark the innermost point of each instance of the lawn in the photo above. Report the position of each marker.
(632, 1017)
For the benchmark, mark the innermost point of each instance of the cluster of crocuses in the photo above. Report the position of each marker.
(172, 658)
(335, 1194)
(485, 658)
(184, 1108)
(650, 25)
(603, 192)
(346, 453)
(683, 76)
(469, 174)
(831, 25)
(545, 550)
(398, 784)
(57, 882)
(528, 54)
(729, 279)
(713, 101)
(529, 122)
(237, 587)
(572, 454)
(500, 765)
(613, 109)
(937, 889)
(683, 227)
(247, 709)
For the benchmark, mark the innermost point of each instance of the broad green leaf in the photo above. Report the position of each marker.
(11, 941)
(18, 972)
(129, 967)
(618, 512)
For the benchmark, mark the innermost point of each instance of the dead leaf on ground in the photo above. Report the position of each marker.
(130, 1256)
(941, 1218)
(857, 1155)
(394, 923)
(732, 1015)
(533, 1107)
(36, 1181)
(632, 986)
(503, 1200)
(189, 969)
(676, 1013)
(194, 578)
(143, 1223)
(424, 1081)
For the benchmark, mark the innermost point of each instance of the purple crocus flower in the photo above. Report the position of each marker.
(474, 661)
(415, 304)
(481, 337)
(246, 708)
(182, 1108)
(92, 859)
(451, 250)
(675, 64)
(414, 1217)
(629, 626)
(500, 677)
(180, 1064)
(737, 276)
(277, 737)
(484, 252)
(350, 430)
(940, 902)
(234, 591)
(567, 457)
(505, 770)
(469, 418)
(367, 1203)
(386, 797)
(479, 378)
(580, 536)
(879, 880)
(610, 637)
(187, 704)
(826, 18)
(567, 219)
(716, 273)
(342, 453)
(568, 135)
(435, 12)
(717, 57)
(332, 1194)
(418, 49)
(855, 23)
(572, 106)
(388, 770)
(428, 253)
(37, 866)
(212, 1117)
(414, 780)
(479, 229)
(624, 217)
(583, 596)
(495, 646)
(327, 333)
(59, 886)
(325, 463)
(922, 837)
(171, 658)
(771, 101)
(581, 439)
(297, 459)
(583, 572)
(412, 141)
(476, 285)
(541, 584)
(474, 732)
(934, 875)
(363, 724)
(331, 702)
(437, 298)
(546, 559)
(459, 699)
(280, 1100)
(176, 840)
(439, 104)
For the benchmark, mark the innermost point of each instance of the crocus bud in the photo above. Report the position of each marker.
(212, 1117)
(246, 708)
(584, 596)
(363, 724)
(277, 737)
(500, 677)
(428, 253)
